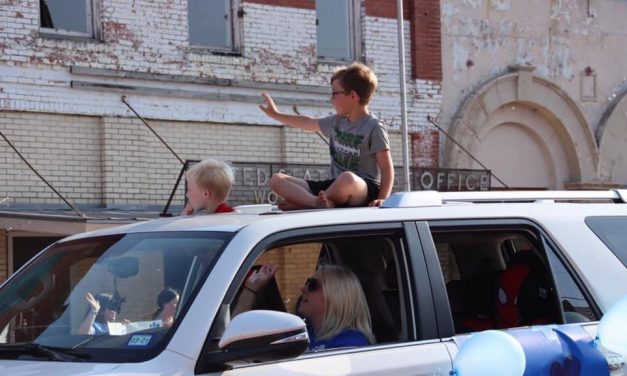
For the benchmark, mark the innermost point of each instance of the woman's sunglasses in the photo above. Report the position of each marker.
(312, 284)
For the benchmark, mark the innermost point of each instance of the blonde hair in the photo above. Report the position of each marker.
(359, 78)
(214, 175)
(345, 303)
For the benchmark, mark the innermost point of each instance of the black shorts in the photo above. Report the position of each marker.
(316, 186)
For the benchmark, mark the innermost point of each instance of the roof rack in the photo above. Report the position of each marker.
(254, 208)
(615, 195)
(434, 198)
(413, 199)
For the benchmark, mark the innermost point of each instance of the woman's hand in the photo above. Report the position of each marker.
(93, 302)
(258, 279)
(255, 282)
(94, 306)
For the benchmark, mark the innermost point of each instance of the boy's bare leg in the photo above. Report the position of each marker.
(295, 192)
(348, 189)
(287, 206)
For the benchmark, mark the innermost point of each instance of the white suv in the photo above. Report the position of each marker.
(433, 267)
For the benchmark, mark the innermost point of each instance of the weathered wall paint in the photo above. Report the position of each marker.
(575, 47)
(561, 38)
(151, 37)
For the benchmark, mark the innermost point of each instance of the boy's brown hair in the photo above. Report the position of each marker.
(214, 175)
(359, 78)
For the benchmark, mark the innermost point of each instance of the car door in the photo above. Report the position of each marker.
(389, 262)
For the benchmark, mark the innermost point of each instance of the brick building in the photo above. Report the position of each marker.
(537, 90)
(194, 70)
(539, 97)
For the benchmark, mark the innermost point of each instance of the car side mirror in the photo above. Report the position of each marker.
(260, 336)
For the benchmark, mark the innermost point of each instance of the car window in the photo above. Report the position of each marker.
(574, 305)
(374, 260)
(611, 230)
(501, 277)
(106, 292)
(295, 263)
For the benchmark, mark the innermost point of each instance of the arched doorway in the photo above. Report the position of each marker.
(527, 131)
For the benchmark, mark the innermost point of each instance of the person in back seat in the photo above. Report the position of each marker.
(167, 302)
(102, 309)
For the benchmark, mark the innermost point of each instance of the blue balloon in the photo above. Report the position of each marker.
(490, 353)
(612, 330)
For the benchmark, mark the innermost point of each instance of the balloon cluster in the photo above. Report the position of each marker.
(612, 330)
(490, 353)
(551, 348)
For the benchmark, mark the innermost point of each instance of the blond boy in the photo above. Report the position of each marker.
(362, 172)
(208, 186)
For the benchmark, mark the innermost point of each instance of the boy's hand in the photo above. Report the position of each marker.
(188, 209)
(377, 202)
(296, 121)
(270, 108)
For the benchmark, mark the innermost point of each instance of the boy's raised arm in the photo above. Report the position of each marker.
(297, 121)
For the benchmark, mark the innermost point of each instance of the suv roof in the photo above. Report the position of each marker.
(417, 205)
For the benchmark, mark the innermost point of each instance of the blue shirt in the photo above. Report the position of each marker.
(346, 338)
(100, 328)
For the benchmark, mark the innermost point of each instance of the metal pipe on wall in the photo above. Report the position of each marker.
(401, 58)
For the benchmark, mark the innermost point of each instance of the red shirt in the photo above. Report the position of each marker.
(224, 208)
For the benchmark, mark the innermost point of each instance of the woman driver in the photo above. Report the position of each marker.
(332, 303)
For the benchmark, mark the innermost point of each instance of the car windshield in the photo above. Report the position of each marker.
(96, 296)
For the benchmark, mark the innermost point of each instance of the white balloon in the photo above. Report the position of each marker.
(490, 353)
(612, 330)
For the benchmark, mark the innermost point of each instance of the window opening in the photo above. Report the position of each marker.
(70, 17)
(496, 279)
(211, 24)
(375, 261)
(574, 305)
(337, 23)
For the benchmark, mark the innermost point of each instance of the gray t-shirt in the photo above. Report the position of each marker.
(354, 146)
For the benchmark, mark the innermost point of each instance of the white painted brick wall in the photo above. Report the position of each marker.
(94, 151)
(64, 149)
(278, 46)
(126, 141)
(423, 97)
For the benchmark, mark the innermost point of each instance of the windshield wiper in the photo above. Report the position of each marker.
(35, 349)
